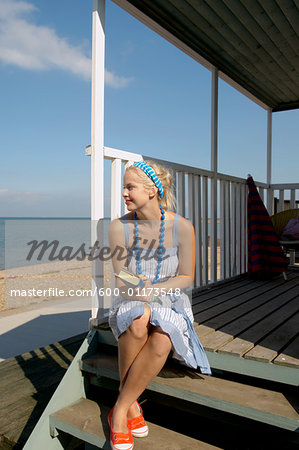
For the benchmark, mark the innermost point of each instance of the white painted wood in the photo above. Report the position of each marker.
(233, 229)
(222, 230)
(97, 145)
(243, 227)
(128, 164)
(292, 199)
(270, 201)
(238, 229)
(213, 230)
(198, 230)
(269, 159)
(116, 189)
(191, 198)
(285, 186)
(174, 185)
(262, 194)
(112, 153)
(281, 200)
(227, 236)
(181, 193)
(214, 169)
(205, 259)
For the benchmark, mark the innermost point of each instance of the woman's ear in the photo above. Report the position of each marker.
(153, 192)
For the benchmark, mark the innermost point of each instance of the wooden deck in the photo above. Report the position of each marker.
(252, 326)
(27, 383)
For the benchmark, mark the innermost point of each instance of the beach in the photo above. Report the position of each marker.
(23, 286)
(43, 282)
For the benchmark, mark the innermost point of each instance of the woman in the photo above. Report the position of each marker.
(149, 323)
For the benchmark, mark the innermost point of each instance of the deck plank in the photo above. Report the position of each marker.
(256, 324)
(269, 347)
(216, 291)
(260, 329)
(222, 302)
(290, 355)
(27, 383)
(223, 314)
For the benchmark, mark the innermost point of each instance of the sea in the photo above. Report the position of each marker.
(20, 235)
(22, 238)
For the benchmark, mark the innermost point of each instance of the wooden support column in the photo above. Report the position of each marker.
(97, 148)
(214, 168)
(269, 162)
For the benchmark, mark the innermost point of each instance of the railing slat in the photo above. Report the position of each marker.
(115, 208)
(213, 231)
(205, 258)
(238, 229)
(181, 193)
(191, 198)
(292, 199)
(222, 230)
(227, 230)
(198, 230)
(233, 228)
(243, 228)
(281, 200)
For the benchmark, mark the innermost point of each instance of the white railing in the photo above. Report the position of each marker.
(221, 243)
(287, 196)
(216, 208)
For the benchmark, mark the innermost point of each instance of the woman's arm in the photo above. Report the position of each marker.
(186, 254)
(119, 254)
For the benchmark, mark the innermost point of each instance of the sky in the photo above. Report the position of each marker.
(157, 103)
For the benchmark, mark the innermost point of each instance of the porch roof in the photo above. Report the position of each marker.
(253, 44)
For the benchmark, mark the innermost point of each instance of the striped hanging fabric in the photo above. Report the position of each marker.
(265, 256)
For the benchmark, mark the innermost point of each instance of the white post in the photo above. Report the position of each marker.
(269, 160)
(97, 146)
(214, 168)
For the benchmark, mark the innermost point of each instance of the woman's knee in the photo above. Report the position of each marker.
(140, 326)
(161, 342)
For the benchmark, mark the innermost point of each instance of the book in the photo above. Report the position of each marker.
(130, 278)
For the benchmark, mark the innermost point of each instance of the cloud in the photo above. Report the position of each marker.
(35, 47)
(116, 81)
(24, 198)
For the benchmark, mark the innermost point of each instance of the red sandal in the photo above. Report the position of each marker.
(120, 441)
(138, 425)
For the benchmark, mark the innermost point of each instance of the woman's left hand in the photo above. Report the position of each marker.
(146, 293)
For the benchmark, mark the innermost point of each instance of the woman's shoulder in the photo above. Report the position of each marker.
(185, 226)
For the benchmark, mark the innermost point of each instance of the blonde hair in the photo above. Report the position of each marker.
(168, 201)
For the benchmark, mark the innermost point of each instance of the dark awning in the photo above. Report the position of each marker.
(254, 44)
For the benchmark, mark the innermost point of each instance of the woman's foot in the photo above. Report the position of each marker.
(137, 425)
(133, 411)
(119, 420)
(119, 440)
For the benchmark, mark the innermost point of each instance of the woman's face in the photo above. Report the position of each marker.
(134, 193)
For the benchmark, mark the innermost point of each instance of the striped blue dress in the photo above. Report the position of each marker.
(172, 312)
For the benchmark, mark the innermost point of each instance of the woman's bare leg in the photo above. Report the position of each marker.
(144, 368)
(129, 345)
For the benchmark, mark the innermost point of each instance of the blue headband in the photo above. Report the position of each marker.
(151, 174)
